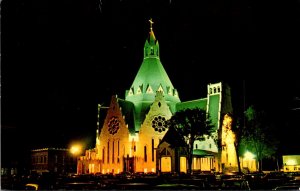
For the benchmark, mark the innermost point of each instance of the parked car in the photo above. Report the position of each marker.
(80, 186)
(234, 184)
(287, 187)
(274, 179)
(31, 186)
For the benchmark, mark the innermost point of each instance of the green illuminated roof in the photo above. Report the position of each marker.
(152, 73)
(151, 77)
(198, 103)
(199, 152)
(214, 109)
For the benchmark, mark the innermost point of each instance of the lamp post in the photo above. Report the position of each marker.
(76, 151)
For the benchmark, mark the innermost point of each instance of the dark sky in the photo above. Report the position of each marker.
(61, 58)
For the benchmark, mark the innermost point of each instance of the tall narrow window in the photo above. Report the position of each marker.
(118, 148)
(103, 155)
(145, 153)
(118, 151)
(113, 152)
(108, 152)
(152, 150)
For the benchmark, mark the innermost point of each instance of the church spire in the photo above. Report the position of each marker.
(151, 48)
(151, 33)
(152, 77)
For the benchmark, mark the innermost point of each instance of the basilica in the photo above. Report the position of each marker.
(133, 136)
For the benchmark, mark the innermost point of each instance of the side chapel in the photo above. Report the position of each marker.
(134, 127)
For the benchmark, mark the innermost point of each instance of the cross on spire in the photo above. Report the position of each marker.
(151, 23)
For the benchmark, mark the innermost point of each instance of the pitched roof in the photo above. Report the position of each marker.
(127, 109)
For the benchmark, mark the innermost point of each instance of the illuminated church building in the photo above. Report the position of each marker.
(133, 127)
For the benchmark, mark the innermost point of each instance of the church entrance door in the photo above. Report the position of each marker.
(128, 164)
(166, 164)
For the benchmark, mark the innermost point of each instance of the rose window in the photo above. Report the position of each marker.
(113, 125)
(159, 123)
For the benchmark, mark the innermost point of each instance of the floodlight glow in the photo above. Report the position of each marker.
(248, 155)
(75, 149)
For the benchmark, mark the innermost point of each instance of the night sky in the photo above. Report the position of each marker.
(61, 58)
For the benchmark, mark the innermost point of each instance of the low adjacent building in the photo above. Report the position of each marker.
(53, 160)
(291, 163)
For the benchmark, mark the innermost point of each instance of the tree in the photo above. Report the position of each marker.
(192, 124)
(257, 135)
(236, 128)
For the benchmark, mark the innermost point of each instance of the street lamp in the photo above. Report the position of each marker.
(76, 149)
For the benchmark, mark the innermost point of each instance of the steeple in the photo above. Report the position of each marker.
(151, 76)
(151, 48)
(151, 33)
